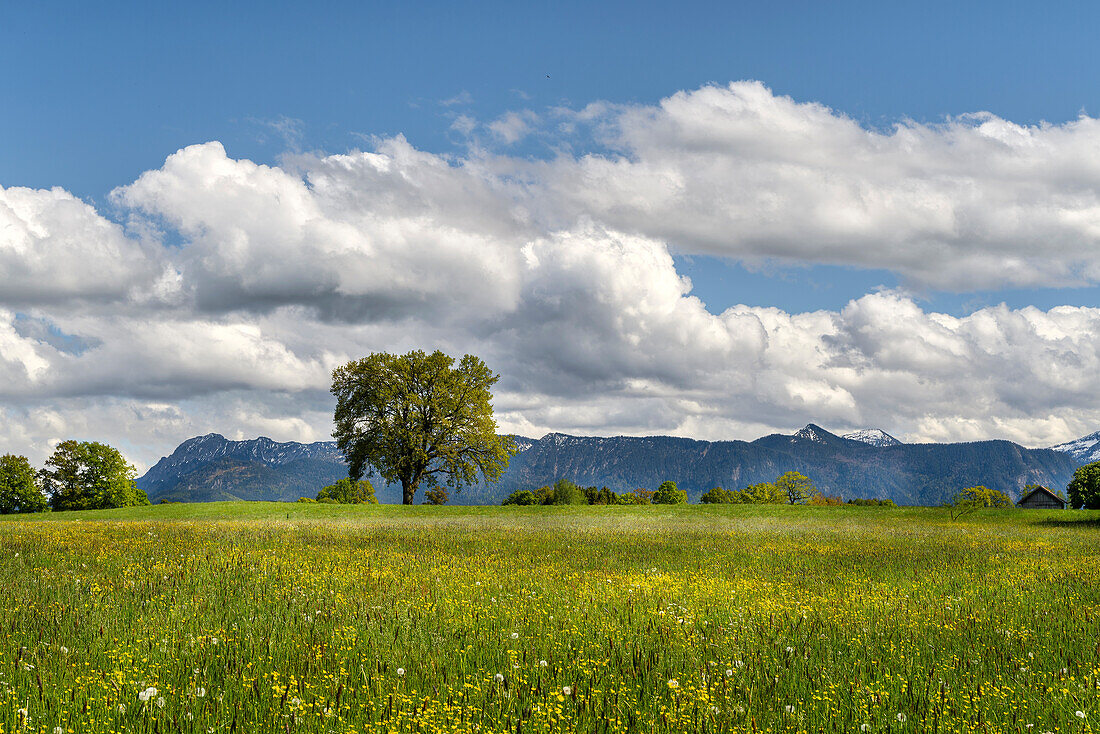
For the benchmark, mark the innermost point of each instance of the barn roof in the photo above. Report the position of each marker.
(1040, 490)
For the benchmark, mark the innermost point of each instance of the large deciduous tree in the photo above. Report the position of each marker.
(417, 419)
(1084, 488)
(86, 475)
(19, 490)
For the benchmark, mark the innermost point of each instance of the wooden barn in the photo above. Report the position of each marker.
(1041, 498)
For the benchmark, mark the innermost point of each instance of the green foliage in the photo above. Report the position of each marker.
(19, 490)
(871, 503)
(523, 497)
(796, 488)
(825, 500)
(717, 496)
(602, 496)
(669, 494)
(436, 496)
(306, 499)
(640, 496)
(544, 495)
(416, 419)
(86, 475)
(765, 493)
(1084, 488)
(981, 496)
(567, 493)
(347, 491)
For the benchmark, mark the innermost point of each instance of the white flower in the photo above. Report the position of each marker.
(738, 663)
(790, 650)
(566, 691)
(515, 635)
(58, 730)
(122, 708)
(400, 672)
(295, 701)
(1080, 714)
(729, 672)
(790, 708)
(22, 714)
(63, 651)
(902, 718)
(147, 694)
(673, 683)
(160, 702)
(200, 692)
(213, 640)
(498, 678)
(865, 727)
(543, 663)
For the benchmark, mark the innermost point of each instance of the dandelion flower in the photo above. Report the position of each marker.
(790, 708)
(400, 672)
(865, 727)
(567, 690)
(498, 678)
(673, 683)
(790, 650)
(729, 672)
(200, 692)
(58, 730)
(160, 702)
(543, 663)
(515, 635)
(147, 694)
(1080, 714)
(64, 650)
(122, 708)
(902, 718)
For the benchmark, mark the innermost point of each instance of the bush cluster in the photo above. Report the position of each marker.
(566, 492)
(79, 475)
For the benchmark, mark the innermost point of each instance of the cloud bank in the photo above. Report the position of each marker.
(217, 294)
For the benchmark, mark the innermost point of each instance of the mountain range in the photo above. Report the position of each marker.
(868, 463)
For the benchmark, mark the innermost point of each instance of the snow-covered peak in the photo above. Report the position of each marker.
(1085, 449)
(874, 436)
(812, 433)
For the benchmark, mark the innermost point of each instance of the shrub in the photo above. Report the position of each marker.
(871, 503)
(640, 496)
(521, 497)
(347, 492)
(825, 500)
(307, 499)
(717, 496)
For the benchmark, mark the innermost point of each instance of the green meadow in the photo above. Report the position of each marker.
(266, 617)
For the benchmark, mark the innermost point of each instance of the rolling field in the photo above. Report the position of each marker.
(265, 617)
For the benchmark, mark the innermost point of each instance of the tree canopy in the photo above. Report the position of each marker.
(19, 490)
(417, 419)
(1084, 488)
(86, 475)
(669, 494)
(797, 488)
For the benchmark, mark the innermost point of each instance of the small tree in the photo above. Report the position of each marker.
(1084, 488)
(86, 475)
(349, 492)
(19, 490)
(641, 496)
(669, 494)
(567, 493)
(797, 488)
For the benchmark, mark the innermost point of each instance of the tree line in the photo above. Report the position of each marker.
(79, 475)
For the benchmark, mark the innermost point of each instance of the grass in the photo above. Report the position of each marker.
(268, 617)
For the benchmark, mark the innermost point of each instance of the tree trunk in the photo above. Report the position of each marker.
(408, 491)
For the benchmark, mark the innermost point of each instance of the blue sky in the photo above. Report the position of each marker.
(205, 206)
(96, 93)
